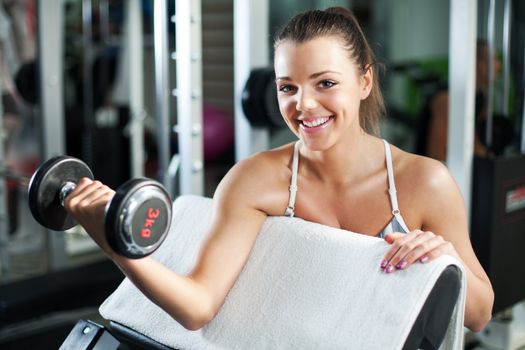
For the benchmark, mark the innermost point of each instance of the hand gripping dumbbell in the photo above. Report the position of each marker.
(137, 218)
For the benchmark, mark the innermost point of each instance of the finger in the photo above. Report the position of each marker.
(398, 250)
(406, 245)
(419, 252)
(397, 239)
(103, 198)
(92, 195)
(80, 186)
(445, 248)
(91, 212)
(79, 196)
(392, 237)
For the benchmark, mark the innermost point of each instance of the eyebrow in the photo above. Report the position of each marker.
(313, 76)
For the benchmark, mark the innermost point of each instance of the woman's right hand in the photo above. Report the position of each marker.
(87, 204)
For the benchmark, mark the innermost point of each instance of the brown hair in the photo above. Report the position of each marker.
(340, 22)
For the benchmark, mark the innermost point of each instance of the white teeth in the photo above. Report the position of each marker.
(315, 122)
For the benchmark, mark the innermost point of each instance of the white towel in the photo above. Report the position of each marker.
(304, 286)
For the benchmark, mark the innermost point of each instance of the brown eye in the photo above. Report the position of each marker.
(285, 88)
(326, 84)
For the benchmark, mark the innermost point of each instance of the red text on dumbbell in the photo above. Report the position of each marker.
(149, 222)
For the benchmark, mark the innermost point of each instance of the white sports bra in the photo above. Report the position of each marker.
(396, 224)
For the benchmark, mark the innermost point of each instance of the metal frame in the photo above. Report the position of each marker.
(50, 49)
(87, 83)
(462, 58)
(188, 56)
(507, 15)
(4, 219)
(251, 50)
(134, 43)
(490, 87)
(162, 110)
(522, 143)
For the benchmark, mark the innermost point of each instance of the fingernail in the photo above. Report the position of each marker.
(389, 269)
(401, 265)
(423, 259)
(383, 263)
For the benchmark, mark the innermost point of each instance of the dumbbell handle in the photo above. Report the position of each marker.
(22, 179)
(66, 189)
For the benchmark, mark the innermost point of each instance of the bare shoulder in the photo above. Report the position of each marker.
(421, 172)
(259, 181)
(426, 185)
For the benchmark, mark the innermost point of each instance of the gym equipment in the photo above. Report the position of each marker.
(503, 133)
(27, 82)
(307, 277)
(48, 188)
(137, 217)
(259, 99)
(74, 288)
(498, 224)
(427, 333)
(89, 335)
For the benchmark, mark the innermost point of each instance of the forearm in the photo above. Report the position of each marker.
(480, 299)
(181, 297)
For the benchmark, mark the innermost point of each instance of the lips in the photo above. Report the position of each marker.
(313, 124)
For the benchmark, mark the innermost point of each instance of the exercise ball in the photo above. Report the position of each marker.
(217, 133)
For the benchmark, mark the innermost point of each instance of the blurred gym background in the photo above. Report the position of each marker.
(134, 90)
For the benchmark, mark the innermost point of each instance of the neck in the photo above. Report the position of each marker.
(346, 161)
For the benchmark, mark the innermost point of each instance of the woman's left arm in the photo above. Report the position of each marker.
(444, 230)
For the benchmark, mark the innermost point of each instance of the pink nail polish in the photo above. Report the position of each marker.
(423, 259)
(383, 263)
(389, 269)
(401, 265)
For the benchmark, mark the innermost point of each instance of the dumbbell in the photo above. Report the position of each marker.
(137, 218)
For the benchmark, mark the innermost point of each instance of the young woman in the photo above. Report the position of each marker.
(346, 177)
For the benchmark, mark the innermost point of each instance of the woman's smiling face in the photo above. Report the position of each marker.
(319, 89)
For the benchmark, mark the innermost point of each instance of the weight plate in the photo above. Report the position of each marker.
(259, 99)
(138, 218)
(45, 185)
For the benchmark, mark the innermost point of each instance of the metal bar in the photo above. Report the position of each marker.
(189, 95)
(251, 50)
(103, 15)
(162, 110)
(507, 23)
(87, 84)
(490, 88)
(6, 174)
(522, 148)
(462, 76)
(135, 46)
(5, 266)
(174, 166)
(103, 9)
(197, 129)
(50, 49)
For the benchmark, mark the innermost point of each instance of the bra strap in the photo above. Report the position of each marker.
(293, 184)
(391, 184)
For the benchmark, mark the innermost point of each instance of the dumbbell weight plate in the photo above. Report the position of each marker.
(45, 185)
(138, 218)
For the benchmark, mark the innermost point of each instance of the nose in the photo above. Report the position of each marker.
(305, 101)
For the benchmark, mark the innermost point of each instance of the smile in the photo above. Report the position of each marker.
(314, 123)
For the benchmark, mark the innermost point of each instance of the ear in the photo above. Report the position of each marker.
(367, 81)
